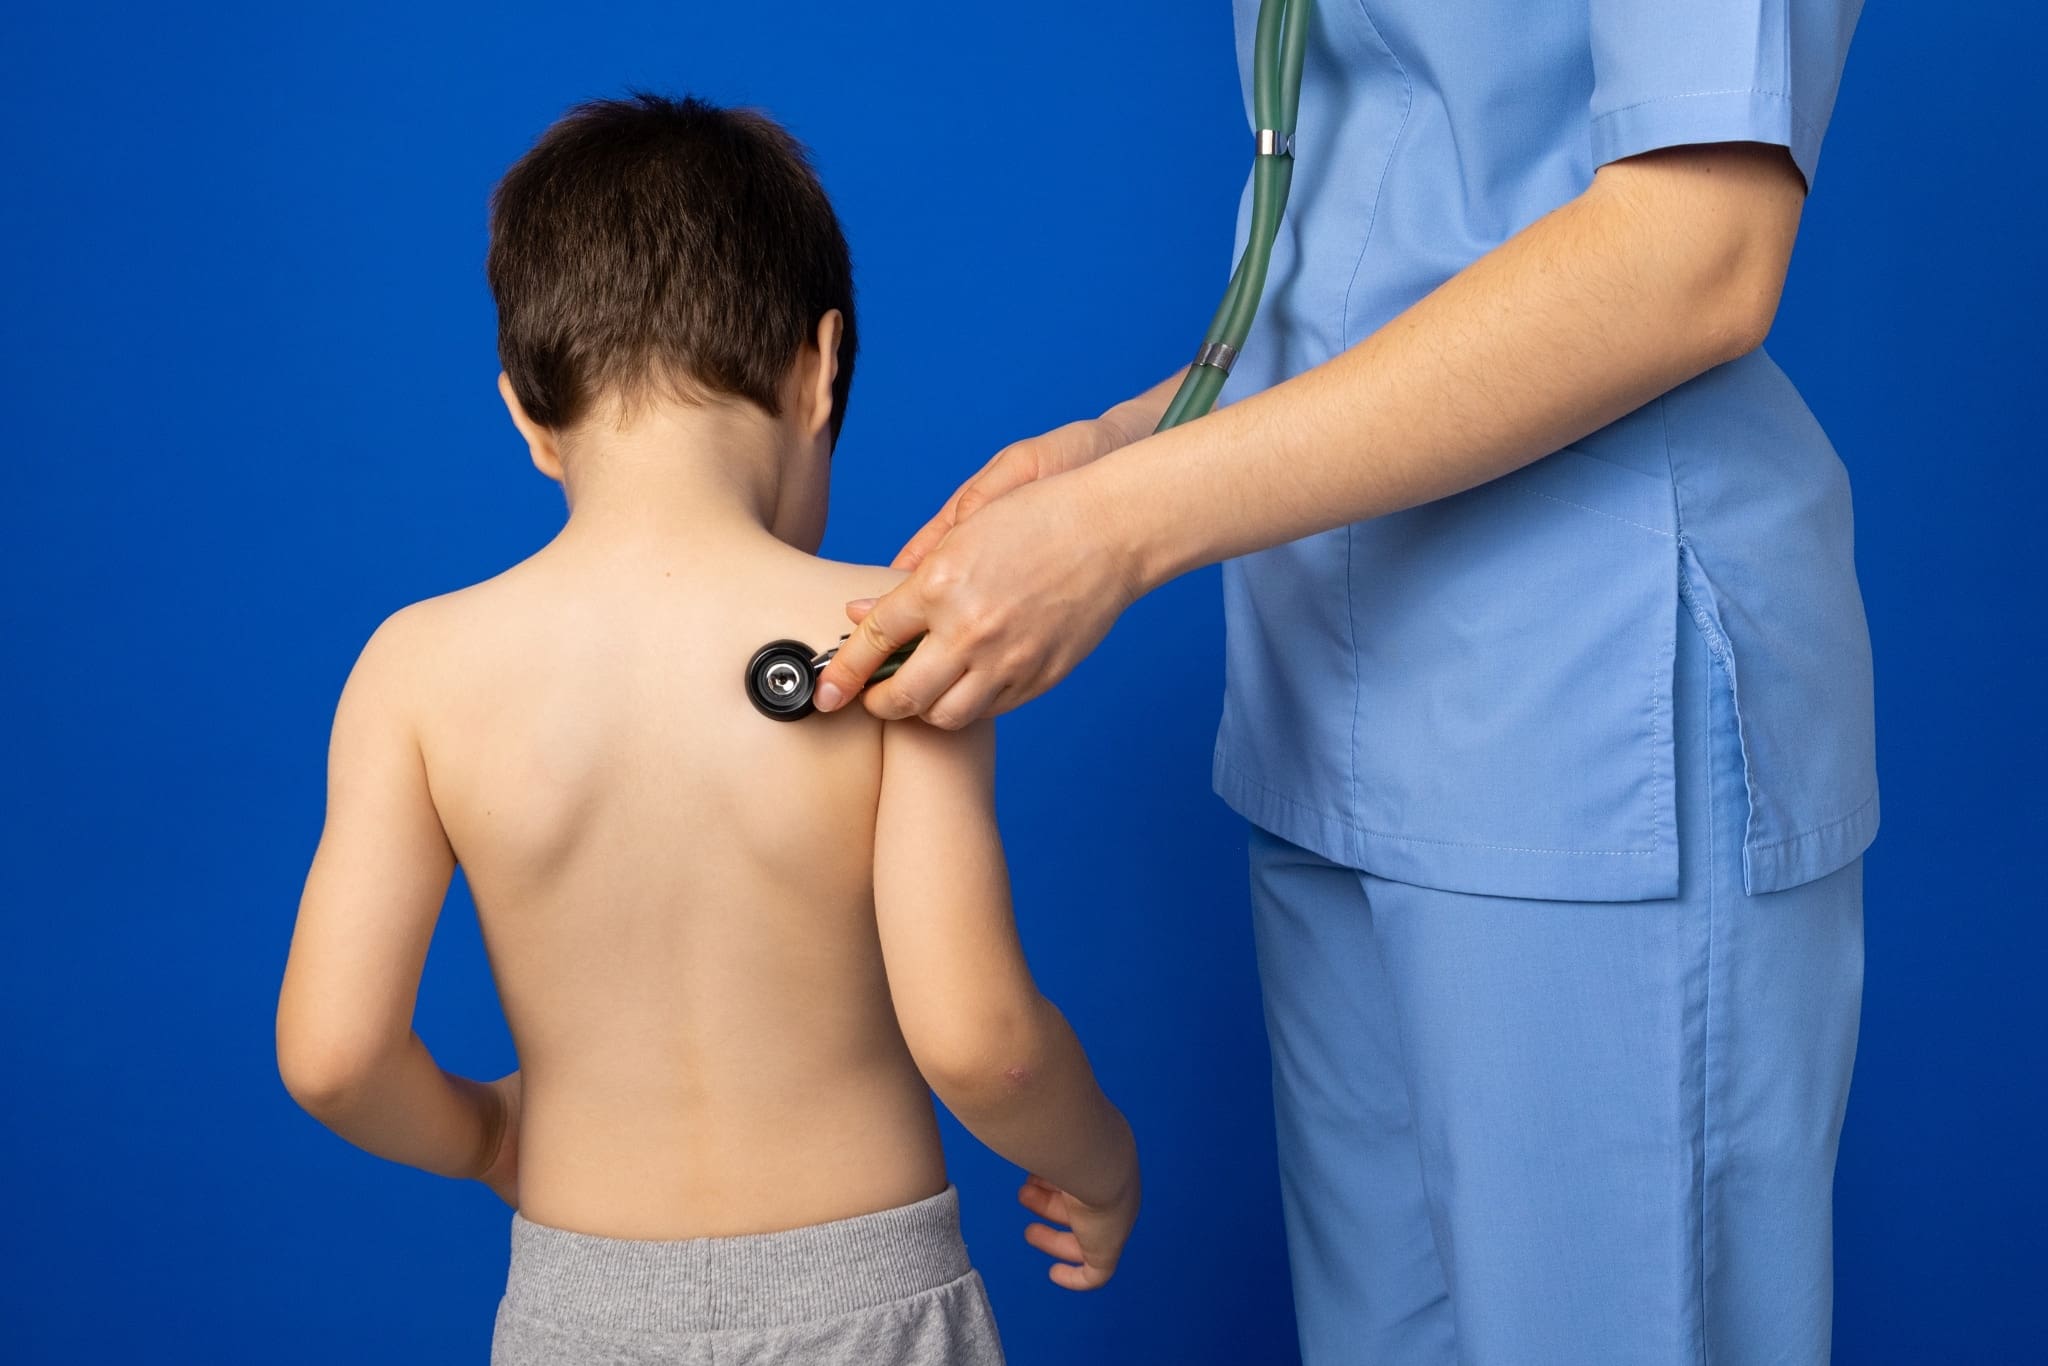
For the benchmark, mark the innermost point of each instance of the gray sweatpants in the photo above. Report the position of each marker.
(886, 1289)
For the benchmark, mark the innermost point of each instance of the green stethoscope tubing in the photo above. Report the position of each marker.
(1277, 53)
(783, 674)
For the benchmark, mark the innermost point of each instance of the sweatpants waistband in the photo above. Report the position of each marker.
(755, 1280)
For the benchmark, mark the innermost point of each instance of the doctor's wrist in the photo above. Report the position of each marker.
(1120, 426)
(1140, 547)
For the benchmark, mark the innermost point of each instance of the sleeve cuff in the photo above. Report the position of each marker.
(1712, 116)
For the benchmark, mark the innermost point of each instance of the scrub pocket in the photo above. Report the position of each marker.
(1515, 647)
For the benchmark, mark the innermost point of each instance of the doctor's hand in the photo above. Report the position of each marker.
(1008, 601)
(1039, 457)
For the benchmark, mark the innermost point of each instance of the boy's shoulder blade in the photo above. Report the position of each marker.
(809, 603)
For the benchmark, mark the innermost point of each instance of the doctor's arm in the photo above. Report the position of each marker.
(1669, 264)
(346, 1049)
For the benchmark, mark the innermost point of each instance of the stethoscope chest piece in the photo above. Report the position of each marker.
(781, 679)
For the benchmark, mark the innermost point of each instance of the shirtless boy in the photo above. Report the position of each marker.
(737, 956)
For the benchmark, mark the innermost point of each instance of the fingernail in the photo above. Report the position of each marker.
(830, 695)
(860, 607)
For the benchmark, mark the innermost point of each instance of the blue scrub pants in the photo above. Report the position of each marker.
(1543, 1133)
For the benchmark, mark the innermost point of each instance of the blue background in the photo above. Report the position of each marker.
(248, 365)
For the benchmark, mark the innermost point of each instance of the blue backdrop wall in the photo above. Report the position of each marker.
(248, 365)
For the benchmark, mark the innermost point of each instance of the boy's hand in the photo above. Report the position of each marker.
(1088, 1249)
(501, 1164)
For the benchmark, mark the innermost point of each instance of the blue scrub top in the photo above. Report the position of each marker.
(1476, 694)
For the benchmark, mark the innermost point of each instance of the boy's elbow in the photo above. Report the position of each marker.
(981, 1063)
(322, 1067)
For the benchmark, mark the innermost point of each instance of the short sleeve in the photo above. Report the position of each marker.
(1669, 73)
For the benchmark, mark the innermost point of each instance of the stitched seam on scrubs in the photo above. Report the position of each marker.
(1821, 829)
(1379, 190)
(1712, 760)
(1308, 810)
(1806, 124)
(1710, 622)
(1665, 691)
(1343, 331)
(1641, 526)
(1710, 630)
(1657, 694)
(1357, 679)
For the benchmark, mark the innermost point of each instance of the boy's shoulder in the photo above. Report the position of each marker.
(412, 645)
(433, 645)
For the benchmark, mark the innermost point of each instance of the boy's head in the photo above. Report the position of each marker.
(649, 247)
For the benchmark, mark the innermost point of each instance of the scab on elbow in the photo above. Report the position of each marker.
(982, 1087)
(981, 1064)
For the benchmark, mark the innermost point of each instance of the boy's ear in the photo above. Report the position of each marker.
(819, 396)
(540, 441)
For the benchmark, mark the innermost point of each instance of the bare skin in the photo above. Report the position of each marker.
(736, 956)
(1669, 264)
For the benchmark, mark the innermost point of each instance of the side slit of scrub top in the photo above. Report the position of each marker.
(1475, 694)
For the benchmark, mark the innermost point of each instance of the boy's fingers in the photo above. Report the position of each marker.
(897, 617)
(1054, 1242)
(1077, 1277)
(1047, 1202)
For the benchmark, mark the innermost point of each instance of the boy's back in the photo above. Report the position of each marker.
(737, 956)
(676, 893)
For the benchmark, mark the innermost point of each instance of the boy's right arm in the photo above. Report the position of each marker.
(997, 1053)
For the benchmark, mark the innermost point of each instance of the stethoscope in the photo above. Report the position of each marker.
(782, 677)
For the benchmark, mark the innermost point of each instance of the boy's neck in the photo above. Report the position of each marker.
(676, 471)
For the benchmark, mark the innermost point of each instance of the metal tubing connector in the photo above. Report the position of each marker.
(1272, 143)
(1217, 356)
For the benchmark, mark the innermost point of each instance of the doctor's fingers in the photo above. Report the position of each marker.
(927, 538)
(972, 697)
(932, 669)
(1004, 471)
(895, 619)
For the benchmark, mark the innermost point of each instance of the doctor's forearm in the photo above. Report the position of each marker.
(1136, 417)
(1668, 266)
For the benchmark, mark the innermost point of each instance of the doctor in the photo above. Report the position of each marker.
(1548, 693)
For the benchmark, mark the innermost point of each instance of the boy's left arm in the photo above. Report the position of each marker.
(345, 1043)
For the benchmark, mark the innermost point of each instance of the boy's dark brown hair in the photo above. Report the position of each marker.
(650, 242)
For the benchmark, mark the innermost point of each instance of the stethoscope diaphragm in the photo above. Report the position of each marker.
(782, 677)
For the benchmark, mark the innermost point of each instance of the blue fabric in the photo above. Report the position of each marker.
(1522, 1133)
(1475, 695)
